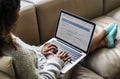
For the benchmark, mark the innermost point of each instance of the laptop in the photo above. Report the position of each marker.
(73, 35)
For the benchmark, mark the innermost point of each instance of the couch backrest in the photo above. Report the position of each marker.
(86, 8)
(110, 5)
(48, 12)
(27, 28)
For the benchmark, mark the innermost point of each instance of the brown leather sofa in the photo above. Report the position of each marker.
(40, 17)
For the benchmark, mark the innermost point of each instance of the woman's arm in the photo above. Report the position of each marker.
(25, 66)
(52, 68)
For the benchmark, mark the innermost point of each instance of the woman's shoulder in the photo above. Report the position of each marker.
(18, 42)
(20, 51)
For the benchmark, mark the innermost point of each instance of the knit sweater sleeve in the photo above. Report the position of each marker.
(25, 67)
(52, 68)
(25, 63)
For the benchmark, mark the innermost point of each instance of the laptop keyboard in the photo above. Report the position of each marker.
(73, 54)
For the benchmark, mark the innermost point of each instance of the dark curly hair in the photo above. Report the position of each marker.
(8, 17)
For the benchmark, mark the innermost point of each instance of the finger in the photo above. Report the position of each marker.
(46, 44)
(59, 53)
(49, 49)
(67, 58)
(63, 54)
(53, 45)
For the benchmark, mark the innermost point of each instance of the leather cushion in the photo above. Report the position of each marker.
(81, 72)
(115, 14)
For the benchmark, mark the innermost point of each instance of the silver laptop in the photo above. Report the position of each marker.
(73, 35)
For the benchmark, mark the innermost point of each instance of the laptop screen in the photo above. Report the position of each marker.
(75, 30)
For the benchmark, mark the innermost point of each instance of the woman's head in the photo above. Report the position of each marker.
(8, 14)
(8, 17)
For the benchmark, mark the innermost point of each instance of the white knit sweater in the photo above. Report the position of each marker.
(29, 63)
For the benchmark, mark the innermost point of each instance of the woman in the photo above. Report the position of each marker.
(32, 62)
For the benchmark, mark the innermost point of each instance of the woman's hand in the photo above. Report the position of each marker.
(47, 49)
(63, 55)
